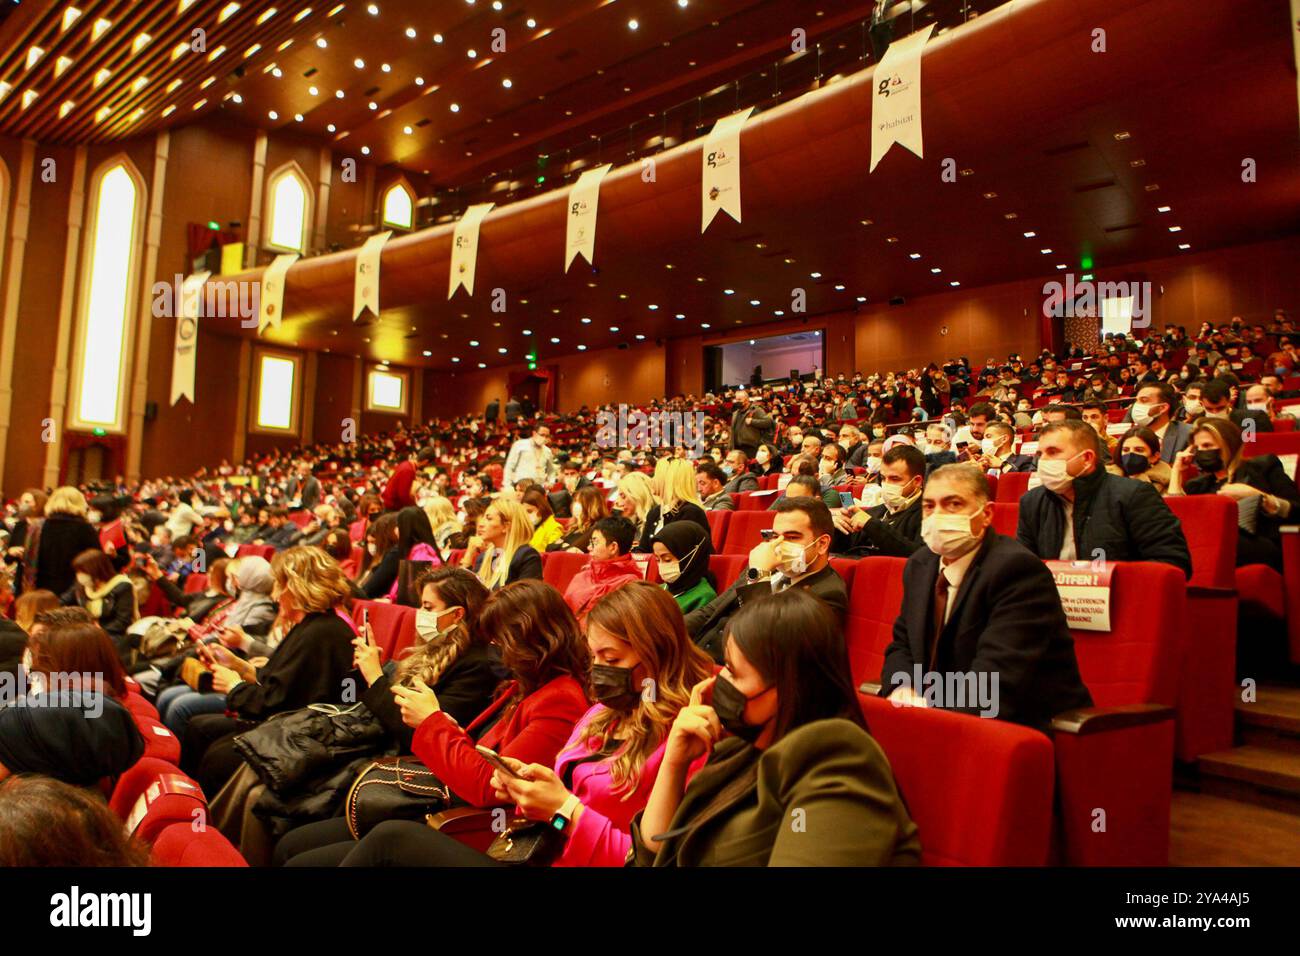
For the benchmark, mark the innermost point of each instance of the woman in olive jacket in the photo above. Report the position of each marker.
(793, 778)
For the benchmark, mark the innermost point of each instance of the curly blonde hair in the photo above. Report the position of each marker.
(315, 579)
(67, 500)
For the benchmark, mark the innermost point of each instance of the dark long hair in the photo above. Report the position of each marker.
(539, 637)
(413, 528)
(795, 643)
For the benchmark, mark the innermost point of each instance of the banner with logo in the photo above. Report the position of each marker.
(720, 162)
(1084, 587)
(896, 98)
(270, 300)
(580, 234)
(186, 348)
(464, 248)
(365, 284)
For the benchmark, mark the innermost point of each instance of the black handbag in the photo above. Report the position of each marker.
(393, 788)
(536, 842)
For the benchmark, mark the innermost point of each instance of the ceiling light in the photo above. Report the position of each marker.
(839, 288)
(265, 15)
(653, 308)
(320, 42)
(582, 348)
(419, 81)
(862, 298)
(632, 24)
(365, 150)
(455, 107)
(728, 291)
(1046, 252)
(302, 15)
(386, 68)
(171, 87)
(455, 358)
(277, 72)
(954, 282)
(1030, 234)
(330, 128)
(427, 353)
(66, 108)
(61, 65)
(779, 312)
(374, 105)
(471, 53)
(1061, 265)
(704, 325)
(496, 4)
(104, 112)
(359, 63)
(753, 302)
(935, 271)
(140, 82)
(297, 117)
(140, 42)
(228, 11)
(313, 91)
(531, 23)
(473, 343)
(1184, 246)
(586, 321)
(168, 111)
(502, 351)
(437, 38)
(100, 27)
(273, 114)
(1165, 209)
(815, 275)
(337, 8)
(70, 16)
(1123, 135)
(683, 3)
(216, 53)
(372, 10)
(990, 195)
(914, 255)
(507, 83)
(252, 50)
(640, 337)
(613, 328)
(237, 98)
(554, 340)
(101, 77)
(1175, 228)
(482, 364)
(407, 130)
(203, 86)
(338, 94)
(198, 106)
(681, 315)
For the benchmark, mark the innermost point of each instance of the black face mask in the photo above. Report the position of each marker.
(614, 687)
(729, 704)
(1134, 463)
(1210, 460)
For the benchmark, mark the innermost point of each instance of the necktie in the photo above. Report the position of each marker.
(940, 609)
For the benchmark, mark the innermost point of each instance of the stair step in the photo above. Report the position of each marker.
(1263, 767)
(1276, 709)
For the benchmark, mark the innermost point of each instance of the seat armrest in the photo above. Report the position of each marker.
(869, 688)
(1100, 720)
(462, 819)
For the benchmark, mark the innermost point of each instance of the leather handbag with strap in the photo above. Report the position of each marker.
(536, 842)
(393, 788)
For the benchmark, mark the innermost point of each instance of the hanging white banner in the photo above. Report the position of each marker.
(185, 349)
(365, 284)
(896, 97)
(580, 234)
(464, 248)
(720, 159)
(270, 301)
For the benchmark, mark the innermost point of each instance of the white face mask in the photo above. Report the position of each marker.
(85, 580)
(93, 517)
(426, 624)
(873, 463)
(948, 535)
(763, 457)
(372, 548)
(988, 446)
(794, 561)
(1054, 474)
(1193, 408)
(1145, 414)
(827, 467)
(1257, 406)
(893, 497)
(576, 510)
(670, 571)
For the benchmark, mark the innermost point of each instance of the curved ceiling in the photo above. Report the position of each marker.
(1062, 154)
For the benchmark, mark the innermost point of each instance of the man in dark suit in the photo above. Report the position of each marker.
(306, 487)
(709, 480)
(750, 426)
(1081, 512)
(892, 528)
(493, 409)
(1153, 408)
(981, 619)
(742, 479)
(513, 410)
(573, 479)
(798, 555)
(997, 450)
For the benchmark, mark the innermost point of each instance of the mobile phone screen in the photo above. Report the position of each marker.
(846, 499)
(492, 757)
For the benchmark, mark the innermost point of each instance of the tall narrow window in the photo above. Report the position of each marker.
(103, 338)
(399, 206)
(287, 210)
(277, 392)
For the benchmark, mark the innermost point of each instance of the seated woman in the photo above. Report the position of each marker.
(682, 550)
(606, 771)
(783, 732)
(45, 822)
(380, 562)
(107, 595)
(307, 667)
(500, 553)
(338, 546)
(530, 718)
(1139, 457)
(634, 501)
(415, 542)
(546, 529)
(767, 460)
(680, 501)
(1215, 463)
(442, 520)
(64, 642)
(587, 507)
(198, 604)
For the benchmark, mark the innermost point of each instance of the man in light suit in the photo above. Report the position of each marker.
(995, 612)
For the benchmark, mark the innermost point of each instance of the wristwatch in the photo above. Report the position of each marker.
(564, 816)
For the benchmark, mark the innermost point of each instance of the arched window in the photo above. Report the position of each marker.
(399, 206)
(109, 284)
(288, 206)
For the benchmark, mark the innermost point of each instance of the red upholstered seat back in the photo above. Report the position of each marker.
(718, 522)
(393, 624)
(1137, 661)
(179, 845)
(1012, 485)
(167, 798)
(874, 601)
(726, 568)
(993, 486)
(1210, 526)
(256, 550)
(560, 567)
(743, 531)
(979, 791)
(133, 782)
(1272, 443)
(196, 582)
(1006, 515)
(845, 567)
(159, 742)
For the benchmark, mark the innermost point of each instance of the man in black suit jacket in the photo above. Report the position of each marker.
(742, 479)
(1153, 408)
(892, 528)
(1109, 516)
(1003, 629)
(798, 556)
(572, 478)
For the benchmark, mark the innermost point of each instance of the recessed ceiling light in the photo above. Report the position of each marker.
(1184, 246)
(1011, 215)
(990, 195)
(385, 67)
(407, 130)
(277, 72)
(507, 83)
(683, 3)
(640, 337)
(954, 282)
(228, 11)
(914, 255)
(359, 63)
(297, 117)
(1175, 228)
(70, 16)
(815, 275)
(237, 98)
(437, 38)
(373, 105)
(471, 53)
(728, 291)
(473, 343)
(331, 127)
(273, 115)
(1164, 209)
(681, 315)
(653, 308)
(585, 320)
(372, 10)
(704, 325)
(482, 364)
(613, 328)
(313, 91)
(753, 302)
(265, 15)
(1123, 135)
(779, 312)
(1030, 234)
(410, 32)
(502, 350)
(862, 298)
(531, 23)
(427, 353)
(839, 288)
(419, 81)
(365, 150)
(338, 94)
(582, 348)
(321, 42)
(936, 271)
(1061, 265)
(1046, 252)
(455, 107)
(632, 24)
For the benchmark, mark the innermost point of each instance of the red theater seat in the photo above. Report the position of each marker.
(392, 624)
(196, 582)
(1006, 515)
(726, 568)
(159, 742)
(993, 486)
(134, 781)
(179, 845)
(755, 500)
(162, 797)
(255, 550)
(1266, 592)
(560, 567)
(1207, 686)
(980, 791)
(300, 518)
(1012, 485)
(134, 702)
(744, 530)
(845, 568)
(1272, 443)
(718, 522)
(874, 600)
(769, 482)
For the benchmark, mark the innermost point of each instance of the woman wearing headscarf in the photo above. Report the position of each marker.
(682, 550)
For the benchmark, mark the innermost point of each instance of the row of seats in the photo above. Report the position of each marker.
(161, 806)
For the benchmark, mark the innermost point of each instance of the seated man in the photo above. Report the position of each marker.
(796, 556)
(976, 603)
(831, 468)
(742, 479)
(997, 450)
(892, 528)
(938, 445)
(709, 479)
(1079, 511)
(1094, 414)
(611, 565)
(804, 485)
(1217, 402)
(284, 533)
(1153, 408)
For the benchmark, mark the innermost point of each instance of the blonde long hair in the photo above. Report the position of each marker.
(679, 485)
(636, 486)
(647, 618)
(519, 531)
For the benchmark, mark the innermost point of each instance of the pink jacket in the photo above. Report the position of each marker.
(602, 836)
(419, 552)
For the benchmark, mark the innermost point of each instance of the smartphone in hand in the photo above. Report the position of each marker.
(494, 758)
